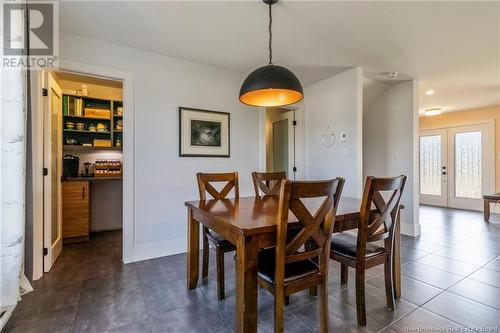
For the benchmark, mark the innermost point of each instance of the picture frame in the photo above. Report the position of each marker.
(203, 133)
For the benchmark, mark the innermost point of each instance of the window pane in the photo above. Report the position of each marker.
(468, 165)
(430, 165)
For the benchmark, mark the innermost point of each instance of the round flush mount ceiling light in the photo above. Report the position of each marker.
(391, 75)
(429, 92)
(433, 112)
(271, 85)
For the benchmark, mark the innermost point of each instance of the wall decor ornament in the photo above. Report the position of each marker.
(203, 133)
(328, 137)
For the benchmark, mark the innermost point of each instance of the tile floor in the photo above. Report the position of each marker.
(451, 281)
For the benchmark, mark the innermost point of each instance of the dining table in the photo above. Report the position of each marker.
(250, 224)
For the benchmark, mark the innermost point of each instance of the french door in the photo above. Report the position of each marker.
(457, 166)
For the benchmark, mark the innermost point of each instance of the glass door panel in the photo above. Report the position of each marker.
(471, 165)
(468, 165)
(430, 165)
(433, 168)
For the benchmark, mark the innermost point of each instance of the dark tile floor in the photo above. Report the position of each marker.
(451, 281)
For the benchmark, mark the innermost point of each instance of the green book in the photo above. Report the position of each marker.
(65, 105)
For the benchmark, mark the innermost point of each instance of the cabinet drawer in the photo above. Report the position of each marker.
(76, 217)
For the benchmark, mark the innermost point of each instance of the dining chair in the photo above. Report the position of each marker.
(382, 195)
(267, 182)
(289, 267)
(205, 181)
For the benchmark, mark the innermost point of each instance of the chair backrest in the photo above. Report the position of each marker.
(383, 194)
(205, 180)
(267, 182)
(312, 239)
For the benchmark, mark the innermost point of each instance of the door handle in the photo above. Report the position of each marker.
(83, 192)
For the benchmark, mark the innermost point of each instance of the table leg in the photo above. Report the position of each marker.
(396, 264)
(193, 251)
(486, 210)
(246, 285)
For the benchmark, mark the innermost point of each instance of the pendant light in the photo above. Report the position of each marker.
(271, 85)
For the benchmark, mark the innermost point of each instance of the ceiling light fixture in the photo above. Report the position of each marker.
(433, 112)
(429, 92)
(271, 85)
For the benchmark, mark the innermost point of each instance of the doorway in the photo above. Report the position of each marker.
(280, 141)
(83, 131)
(457, 166)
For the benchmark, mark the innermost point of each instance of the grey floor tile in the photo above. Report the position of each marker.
(464, 311)
(376, 304)
(415, 243)
(430, 275)
(494, 265)
(412, 253)
(171, 295)
(448, 265)
(477, 291)
(59, 321)
(487, 276)
(469, 256)
(342, 317)
(98, 288)
(412, 290)
(141, 327)
(111, 312)
(292, 324)
(197, 318)
(155, 274)
(422, 320)
(265, 308)
(47, 299)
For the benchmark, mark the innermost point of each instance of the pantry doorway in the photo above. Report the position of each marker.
(84, 198)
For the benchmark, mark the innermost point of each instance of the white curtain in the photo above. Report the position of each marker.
(12, 181)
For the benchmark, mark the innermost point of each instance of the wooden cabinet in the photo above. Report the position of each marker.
(76, 214)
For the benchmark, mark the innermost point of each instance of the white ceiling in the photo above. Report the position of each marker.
(452, 48)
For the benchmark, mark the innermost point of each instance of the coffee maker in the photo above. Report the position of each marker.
(88, 169)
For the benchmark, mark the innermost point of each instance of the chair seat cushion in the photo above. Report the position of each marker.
(293, 271)
(345, 244)
(219, 241)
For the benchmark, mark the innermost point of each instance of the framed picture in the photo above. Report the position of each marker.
(203, 133)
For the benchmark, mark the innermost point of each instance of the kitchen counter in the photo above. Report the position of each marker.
(90, 179)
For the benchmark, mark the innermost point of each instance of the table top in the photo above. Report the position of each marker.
(254, 215)
(495, 196)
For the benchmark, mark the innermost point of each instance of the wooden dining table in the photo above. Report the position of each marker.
(250, 224)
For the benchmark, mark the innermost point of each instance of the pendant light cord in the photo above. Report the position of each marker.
(270, 35)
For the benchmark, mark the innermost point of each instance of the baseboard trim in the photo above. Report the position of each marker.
(157, 249)
(410, 229)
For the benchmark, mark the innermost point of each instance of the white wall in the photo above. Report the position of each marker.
(163, 180)
(390, 124)
(335, 102)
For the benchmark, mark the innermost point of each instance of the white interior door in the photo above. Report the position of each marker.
(433, 168)
(471, 172)
(283, 142)
(52, 233)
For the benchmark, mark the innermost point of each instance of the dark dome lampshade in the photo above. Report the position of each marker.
(271, 85)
